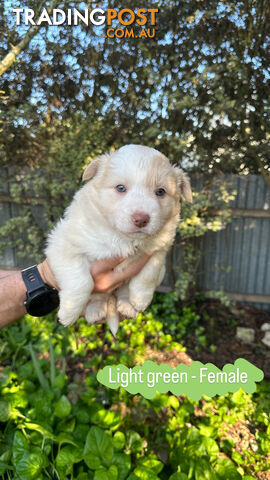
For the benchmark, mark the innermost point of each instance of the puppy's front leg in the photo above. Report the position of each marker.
(142, 287)
(76, 285)
(123, 303)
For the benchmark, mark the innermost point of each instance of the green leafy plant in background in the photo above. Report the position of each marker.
(43, 188)
(209, 212)
(57, 422)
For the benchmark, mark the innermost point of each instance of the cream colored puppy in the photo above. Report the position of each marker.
(130, 206)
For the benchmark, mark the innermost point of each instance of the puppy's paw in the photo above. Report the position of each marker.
(71, 306)
(95, 312)
(140, 303)
(126, 309)
(66, 316)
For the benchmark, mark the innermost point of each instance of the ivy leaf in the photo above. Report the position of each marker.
(225, 469)
(62, 407)
(151, 462)
(20, 445)
(123, 463)
(119, 440)
(66, 457)
(204, 471)
(145, 473)
(98, 449)
(27, 463)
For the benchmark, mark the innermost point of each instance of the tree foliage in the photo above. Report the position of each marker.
(197, 91)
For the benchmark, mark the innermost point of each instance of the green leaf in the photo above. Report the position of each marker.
(101, 474)
(20, 445)
(119, 440)
(80, 432)
(225, 469)
(237, 457)
(66, 426)
(113, 472)
(65, 437)
(83, 415)
(106, 419)
(52, 362)
(145, 473)
(85, 476)
(42, 379)
(62, 407)
(28, 463)
(211, 446)
(66, 457)
(4, 467)
(151, 462)
(174, 402)
(4, 411)
(134, 441)
(123, 463)
(203, 470)
(98, 449)
(178, 476)
(39, 428)
(59, 381)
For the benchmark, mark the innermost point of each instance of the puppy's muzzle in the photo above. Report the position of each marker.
(140, 219)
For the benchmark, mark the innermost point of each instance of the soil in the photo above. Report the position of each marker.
(221, 332)
(220, 325)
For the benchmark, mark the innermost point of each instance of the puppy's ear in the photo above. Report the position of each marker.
(92, 168)
(183, 183)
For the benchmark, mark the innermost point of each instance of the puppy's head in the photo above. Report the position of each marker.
(137, 189)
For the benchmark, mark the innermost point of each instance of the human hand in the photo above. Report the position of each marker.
(105, 278)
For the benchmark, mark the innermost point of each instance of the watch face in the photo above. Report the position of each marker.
(43, 303)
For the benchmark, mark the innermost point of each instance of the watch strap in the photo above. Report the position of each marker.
(32, 279)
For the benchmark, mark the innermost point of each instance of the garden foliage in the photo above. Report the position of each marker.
(57, 422)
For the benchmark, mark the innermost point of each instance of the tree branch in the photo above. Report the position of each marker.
(10, 58)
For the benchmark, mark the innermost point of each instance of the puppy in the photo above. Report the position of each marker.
(129, 206)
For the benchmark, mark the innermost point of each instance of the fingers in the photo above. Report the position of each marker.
(102, 266)
(105, 278)
(107, 281)
(132, 269)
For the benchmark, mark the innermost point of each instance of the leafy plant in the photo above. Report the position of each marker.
(57, 422)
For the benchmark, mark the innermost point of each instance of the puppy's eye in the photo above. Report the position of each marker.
(160, 192)
(121, 188)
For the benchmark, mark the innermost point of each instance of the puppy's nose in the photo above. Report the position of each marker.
(140, 219)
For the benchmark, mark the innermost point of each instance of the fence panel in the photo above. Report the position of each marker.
(237, 257)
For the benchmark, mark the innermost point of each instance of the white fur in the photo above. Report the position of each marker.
(98, 224)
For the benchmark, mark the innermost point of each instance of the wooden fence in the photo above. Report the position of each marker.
(244, 245)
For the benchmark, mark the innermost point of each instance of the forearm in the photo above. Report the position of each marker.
(12, 296)
(13, 290)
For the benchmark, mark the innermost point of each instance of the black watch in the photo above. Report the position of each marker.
(41, 299)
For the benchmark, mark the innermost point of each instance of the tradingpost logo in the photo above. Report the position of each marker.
(124, 23)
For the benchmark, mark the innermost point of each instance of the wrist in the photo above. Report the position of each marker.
(46, 274)
(20, 288)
